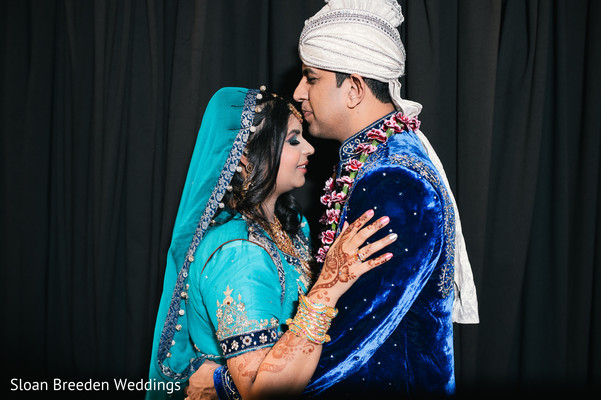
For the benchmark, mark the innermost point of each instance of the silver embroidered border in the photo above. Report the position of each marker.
(239, 344)
(352, 16)
(347, 150)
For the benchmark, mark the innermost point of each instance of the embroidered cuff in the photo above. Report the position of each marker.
(236, 345)
(224, 384)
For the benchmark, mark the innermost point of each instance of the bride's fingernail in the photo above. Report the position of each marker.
(370, 213)
(388, 256)
(384, 220)
(392, 237)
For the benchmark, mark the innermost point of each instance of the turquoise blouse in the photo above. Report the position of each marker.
(243, 288)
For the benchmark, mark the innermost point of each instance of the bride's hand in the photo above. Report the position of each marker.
(348, 259)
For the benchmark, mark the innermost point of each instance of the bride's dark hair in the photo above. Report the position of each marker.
(263, 151)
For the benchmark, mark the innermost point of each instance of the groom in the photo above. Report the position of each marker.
(394, 330)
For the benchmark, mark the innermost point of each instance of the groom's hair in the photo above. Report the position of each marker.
(378, 88)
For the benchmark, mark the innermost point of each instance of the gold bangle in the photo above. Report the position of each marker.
(312, 320)
(330, 312)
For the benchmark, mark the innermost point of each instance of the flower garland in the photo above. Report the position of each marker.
(336, 191)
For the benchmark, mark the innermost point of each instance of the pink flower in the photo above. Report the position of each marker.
(326, 200)
(338, 197)
(377, 134)
(321, 254)
(393, 124)
(345, 180)
(332, 216)
(365, 148)
(353, 165)
(411, 123)
(329, 185)
(327, 237)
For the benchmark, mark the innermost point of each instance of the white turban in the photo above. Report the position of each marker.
(361, 37)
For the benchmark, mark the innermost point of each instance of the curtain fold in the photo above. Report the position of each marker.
(508, 89)
(100, 104)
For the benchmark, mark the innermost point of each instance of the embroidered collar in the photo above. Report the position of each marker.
(348, 148)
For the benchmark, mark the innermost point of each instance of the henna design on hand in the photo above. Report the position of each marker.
(337, 263)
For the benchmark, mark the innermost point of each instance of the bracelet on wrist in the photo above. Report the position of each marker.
(312, 320)
(224, 384)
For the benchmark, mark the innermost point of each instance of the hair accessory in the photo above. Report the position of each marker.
(248, 178)
(312, 320)
(296, 113)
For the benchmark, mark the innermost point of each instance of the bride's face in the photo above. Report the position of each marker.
(294, 159)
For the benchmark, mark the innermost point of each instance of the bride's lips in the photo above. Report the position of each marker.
(303, 166)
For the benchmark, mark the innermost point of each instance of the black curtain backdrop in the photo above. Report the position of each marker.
(100, 105)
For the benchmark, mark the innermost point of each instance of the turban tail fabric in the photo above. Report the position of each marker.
(361, 37)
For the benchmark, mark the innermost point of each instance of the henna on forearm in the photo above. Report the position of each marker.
(322, 295)
(286, 350)
(247, 371)
(273, 368)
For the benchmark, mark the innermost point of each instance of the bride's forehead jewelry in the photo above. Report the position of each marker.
(296, 113)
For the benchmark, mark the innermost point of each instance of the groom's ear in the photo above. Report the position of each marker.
(356, 90)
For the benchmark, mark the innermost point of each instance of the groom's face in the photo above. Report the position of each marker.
(323, 103)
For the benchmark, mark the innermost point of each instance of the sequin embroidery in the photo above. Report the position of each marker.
(445, 285)
(236, 332)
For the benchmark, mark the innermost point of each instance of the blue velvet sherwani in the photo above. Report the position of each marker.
(394, 332)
